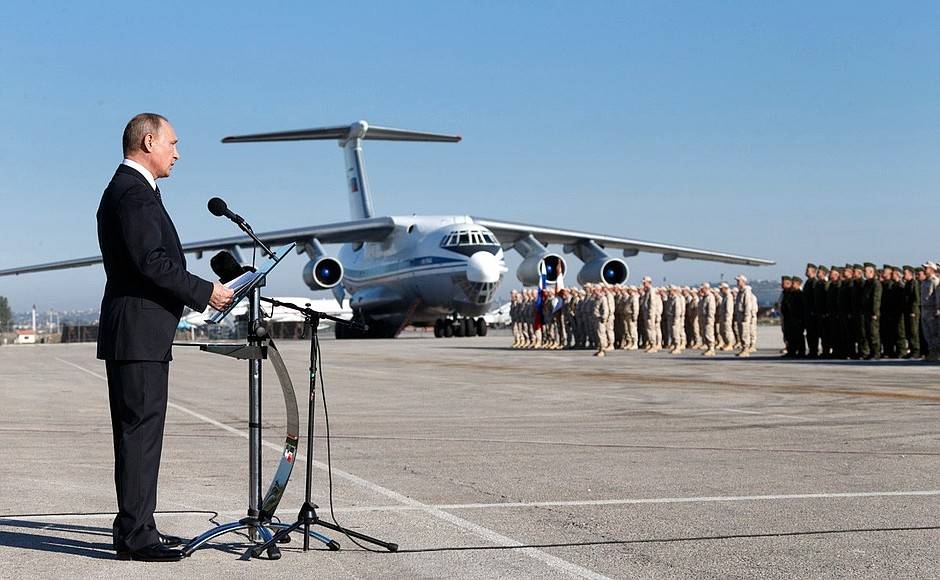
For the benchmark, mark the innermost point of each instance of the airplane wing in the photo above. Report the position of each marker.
(510, 232)
(367, 230)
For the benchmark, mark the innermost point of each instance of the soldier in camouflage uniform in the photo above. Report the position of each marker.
(871, 311)
(602, 312)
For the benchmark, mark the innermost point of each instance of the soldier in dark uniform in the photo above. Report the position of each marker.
(809, 311)
(920, 276)
(786, 284)
(910, 312)
(796, 344)
(871, 308)
(833, 321)
(858, 310)
(846, 313)
(889, 317)
(894, 339)
(820, 303)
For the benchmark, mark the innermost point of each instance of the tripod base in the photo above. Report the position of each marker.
(269, 538)
(305, 519)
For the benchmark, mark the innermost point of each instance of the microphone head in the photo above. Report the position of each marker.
(217, 206)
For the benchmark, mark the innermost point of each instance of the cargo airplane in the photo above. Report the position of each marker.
(426, 270)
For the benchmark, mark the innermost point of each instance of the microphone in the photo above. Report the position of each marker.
(218, 207)
(226, 267)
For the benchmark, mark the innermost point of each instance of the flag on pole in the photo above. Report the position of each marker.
(540, 298)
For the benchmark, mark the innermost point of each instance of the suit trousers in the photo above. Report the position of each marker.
(137, 391)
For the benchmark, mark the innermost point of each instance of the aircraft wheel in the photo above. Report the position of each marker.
(481, 327)
(438, 328)
(448, 331)
(458, 329)
(468, 328)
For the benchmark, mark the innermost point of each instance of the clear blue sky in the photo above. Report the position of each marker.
(791, 131)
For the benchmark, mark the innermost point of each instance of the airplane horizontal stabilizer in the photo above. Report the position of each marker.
(358, 130)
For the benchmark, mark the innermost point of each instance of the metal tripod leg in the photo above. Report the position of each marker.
(245, 524)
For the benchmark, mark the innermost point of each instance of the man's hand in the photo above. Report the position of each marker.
(221, 296)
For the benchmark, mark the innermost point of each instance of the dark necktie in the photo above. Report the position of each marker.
(157, 192)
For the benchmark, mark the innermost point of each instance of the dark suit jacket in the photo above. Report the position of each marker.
(148, 284)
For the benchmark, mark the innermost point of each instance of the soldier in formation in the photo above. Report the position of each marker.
(860, 311)
(603, 317)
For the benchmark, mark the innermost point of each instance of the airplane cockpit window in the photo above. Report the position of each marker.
(468, 238)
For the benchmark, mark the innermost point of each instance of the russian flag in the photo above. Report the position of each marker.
(539, 301)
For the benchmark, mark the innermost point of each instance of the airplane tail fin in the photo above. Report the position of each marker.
(350, 139)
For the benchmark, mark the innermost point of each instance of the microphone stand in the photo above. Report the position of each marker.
(243, 225)
(307, 517)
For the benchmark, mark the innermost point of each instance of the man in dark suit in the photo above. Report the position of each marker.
(147, 288)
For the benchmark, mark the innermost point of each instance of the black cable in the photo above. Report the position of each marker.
(329, 458)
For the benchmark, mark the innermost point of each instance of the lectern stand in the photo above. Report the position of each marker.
(258, 347)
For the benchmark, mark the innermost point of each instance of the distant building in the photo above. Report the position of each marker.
(26, 337)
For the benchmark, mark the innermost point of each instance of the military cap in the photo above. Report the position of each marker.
(835, 268)
(741, 277)
(784, 278)
(857, 267)
(796, 279)
(918, 270)
(724, 285)
(929, 264)
(909, 268)
(849, 267)
(823, 269)
(888, 267)
(870, 265)
(808, 265)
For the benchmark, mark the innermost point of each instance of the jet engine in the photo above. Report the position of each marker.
(607, 270)
(323, 273)
(533, 266)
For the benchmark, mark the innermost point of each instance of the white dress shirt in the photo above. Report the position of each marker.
(142, 170)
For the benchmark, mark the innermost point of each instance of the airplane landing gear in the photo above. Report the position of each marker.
(446, 328)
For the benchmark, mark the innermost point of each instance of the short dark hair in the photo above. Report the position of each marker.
(139, 126)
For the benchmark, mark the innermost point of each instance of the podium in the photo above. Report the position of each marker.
(258, 348)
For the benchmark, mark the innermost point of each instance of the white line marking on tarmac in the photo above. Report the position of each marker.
(484, 532)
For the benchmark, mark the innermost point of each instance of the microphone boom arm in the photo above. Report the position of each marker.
(251, 234)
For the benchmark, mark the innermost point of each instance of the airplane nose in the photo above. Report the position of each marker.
(484, 267)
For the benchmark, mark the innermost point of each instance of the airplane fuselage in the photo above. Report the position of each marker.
(428, 268)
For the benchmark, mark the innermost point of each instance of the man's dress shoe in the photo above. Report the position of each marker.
(152, 553)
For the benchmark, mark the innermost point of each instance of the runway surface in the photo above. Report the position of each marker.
(486, 462)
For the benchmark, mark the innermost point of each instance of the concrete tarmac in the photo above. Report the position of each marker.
(487, 462)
